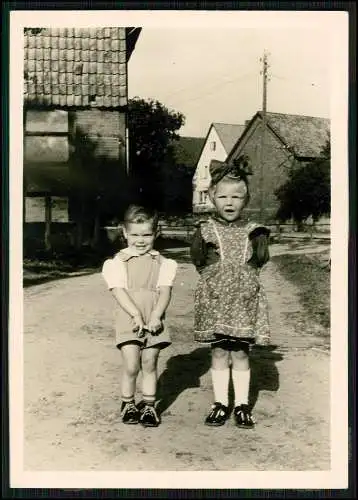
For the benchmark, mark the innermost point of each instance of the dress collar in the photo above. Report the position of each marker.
(128, 253)
(220, 220)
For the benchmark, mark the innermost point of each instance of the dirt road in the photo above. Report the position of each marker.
(72, 388)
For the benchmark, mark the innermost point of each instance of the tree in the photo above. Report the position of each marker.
(307, 192)
(152, 129)
(176, 184)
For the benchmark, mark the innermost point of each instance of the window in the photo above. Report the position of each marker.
(202, 197)
(60, 209)
(46, 155)
(46, 137)
(204, 172)
(35, 209)
(213, 146)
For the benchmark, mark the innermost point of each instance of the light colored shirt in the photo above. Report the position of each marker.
(114, 270)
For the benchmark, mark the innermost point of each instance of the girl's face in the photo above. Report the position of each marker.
(140, 236)
(229, 198)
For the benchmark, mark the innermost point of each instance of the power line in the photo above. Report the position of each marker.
(183, 89)
(221, 84)
(291, 80)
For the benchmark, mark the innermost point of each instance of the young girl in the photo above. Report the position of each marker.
(141, 282)
(230, 303)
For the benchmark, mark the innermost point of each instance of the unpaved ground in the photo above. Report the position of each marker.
(72, 388)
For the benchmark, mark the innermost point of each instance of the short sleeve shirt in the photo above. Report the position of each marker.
(115, 274)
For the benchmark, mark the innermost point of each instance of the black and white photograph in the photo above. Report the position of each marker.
(178, 241)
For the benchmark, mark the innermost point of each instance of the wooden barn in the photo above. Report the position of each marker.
(75, 132)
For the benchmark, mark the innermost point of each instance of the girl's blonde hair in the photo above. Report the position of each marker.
(225, 172)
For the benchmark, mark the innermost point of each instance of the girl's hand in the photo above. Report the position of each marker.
(138, 325)
(154, 325)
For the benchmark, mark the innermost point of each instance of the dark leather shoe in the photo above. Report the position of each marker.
(218, 415)
(130, 413)
(149, 417)
(243, 417)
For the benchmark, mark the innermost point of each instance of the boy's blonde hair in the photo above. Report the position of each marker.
(137, 214)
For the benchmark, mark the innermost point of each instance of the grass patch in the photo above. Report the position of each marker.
(47, 268)
(312, 278)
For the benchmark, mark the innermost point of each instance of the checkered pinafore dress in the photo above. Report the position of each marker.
(230, 299)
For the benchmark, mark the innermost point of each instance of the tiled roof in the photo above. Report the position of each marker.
(229, 134)
(73, 67)
(306, 135)
(187, 150)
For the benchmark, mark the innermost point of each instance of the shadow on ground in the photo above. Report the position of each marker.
(264, 373)
(184, 371)
(39, 280)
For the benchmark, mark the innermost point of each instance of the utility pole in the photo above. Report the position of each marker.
(263, 135)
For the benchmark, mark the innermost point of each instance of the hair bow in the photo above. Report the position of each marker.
(240, 169)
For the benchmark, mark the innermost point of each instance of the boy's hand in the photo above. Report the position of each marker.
(138, 325)
(154, 325)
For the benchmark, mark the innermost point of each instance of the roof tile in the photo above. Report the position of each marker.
(75, 67)
(307, 135)
(229, 133)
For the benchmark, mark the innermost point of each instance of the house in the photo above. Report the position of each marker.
(75, 132)
(290, 140)
(218, 143)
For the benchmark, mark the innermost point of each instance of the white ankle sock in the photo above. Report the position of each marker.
(220, 380)
(241, 382)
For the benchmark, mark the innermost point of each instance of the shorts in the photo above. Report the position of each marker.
(160, 341)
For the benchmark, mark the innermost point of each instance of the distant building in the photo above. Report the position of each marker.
(75, 101)
(290, 140)
(219, 141)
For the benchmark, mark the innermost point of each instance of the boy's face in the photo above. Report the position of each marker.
(140, 236)
(229, 198)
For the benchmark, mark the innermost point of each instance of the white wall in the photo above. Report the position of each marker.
(201, 179)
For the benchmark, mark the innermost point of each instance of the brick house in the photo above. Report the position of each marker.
(289, 140)
(217, 144)
(75, 131)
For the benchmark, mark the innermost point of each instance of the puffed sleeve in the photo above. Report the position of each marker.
(260, 250)
(167, 272)
(259, 238)
(203, 254)
(114, 273)
(257, 230)
(198, 249)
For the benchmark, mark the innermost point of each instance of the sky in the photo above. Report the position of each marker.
(212, 74)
